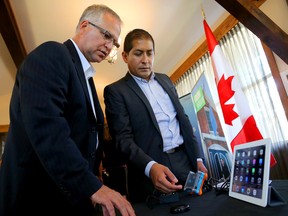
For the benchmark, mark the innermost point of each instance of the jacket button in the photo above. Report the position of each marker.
(92, 155)
(93, 129)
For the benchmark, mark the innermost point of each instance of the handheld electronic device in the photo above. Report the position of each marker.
(195, 181)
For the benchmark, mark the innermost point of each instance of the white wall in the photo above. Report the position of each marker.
(7, 77)
(277, 10)
(4, 109)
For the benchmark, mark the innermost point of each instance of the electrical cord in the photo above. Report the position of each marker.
(221, 186)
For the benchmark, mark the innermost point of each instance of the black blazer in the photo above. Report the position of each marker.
(135, 131)
(50, 155)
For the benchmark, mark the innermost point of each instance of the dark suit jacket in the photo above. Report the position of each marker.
(50, 154)
(135, 131)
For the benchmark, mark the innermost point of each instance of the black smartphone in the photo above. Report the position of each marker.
(179, 208)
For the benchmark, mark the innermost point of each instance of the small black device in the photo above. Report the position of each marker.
(169, 197)
(181, 208)
(161, 198)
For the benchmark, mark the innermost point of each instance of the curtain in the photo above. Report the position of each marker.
(246, 55)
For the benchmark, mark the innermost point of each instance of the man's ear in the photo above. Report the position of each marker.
(124, 56)
(84, 24)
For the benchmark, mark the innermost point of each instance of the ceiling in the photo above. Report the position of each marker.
(176, 26)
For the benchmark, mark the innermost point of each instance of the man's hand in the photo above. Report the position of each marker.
(163, 179)
(109, 200)
(201, 167)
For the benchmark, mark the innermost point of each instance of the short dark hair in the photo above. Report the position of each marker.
(134, 35)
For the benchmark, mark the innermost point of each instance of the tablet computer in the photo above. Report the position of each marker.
(250, 172)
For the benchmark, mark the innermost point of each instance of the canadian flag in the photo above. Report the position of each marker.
(239, 123)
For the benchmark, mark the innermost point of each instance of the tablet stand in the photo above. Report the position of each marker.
(274, 198)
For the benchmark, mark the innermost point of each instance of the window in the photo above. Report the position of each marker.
(246, 55)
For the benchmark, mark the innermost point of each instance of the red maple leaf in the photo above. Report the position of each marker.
(225, 92)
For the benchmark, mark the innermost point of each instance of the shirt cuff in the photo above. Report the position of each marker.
(148, 168)
(199, 160)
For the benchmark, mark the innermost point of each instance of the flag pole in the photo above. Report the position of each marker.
(203, 13)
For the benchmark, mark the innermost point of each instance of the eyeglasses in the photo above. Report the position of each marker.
(106, 35)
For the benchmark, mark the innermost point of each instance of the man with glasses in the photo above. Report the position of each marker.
(55, 140)
(107, 35)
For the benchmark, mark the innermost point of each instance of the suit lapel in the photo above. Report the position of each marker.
(78, 66)
(134, 86)
(80, 73)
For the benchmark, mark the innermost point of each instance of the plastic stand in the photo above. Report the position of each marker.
(274, 198)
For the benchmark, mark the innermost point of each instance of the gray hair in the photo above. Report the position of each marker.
(94, 13)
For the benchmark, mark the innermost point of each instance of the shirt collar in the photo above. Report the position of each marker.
(88, 69)
(141, 79)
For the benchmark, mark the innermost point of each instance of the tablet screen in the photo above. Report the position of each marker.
(250, 172)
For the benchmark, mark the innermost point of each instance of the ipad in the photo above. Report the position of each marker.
(250, 172)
